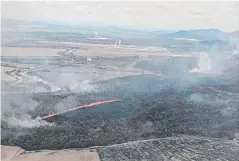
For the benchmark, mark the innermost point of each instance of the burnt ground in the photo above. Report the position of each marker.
(149, 107)
(182, 147)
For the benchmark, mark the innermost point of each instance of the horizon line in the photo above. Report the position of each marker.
(129, 27)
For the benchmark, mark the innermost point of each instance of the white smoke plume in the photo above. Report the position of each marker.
(15, 112)
(25, 121)
(84, 86)
(204, 64)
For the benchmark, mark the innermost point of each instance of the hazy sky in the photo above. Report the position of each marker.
(161, 15)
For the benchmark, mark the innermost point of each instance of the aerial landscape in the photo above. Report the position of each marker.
(115, 92)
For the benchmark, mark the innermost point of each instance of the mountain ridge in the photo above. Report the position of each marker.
(203, 34)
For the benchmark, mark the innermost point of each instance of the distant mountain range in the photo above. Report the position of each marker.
(235, 34)
(15, 31)
(203, 35)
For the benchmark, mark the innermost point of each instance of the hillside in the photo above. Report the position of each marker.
(185, 148)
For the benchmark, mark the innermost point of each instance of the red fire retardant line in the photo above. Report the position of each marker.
(78, 107)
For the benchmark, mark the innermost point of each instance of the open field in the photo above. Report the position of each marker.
(29, 52)
(83, 50)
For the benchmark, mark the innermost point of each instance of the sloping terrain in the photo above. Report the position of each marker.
(183, 148)
(158, 97)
